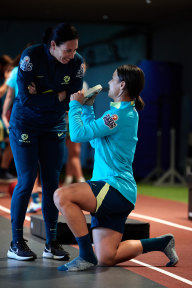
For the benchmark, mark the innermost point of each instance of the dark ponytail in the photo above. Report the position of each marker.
(139, 103)
(134, 79)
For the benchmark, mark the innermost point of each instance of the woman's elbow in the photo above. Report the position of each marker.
(74, 138)
(78, 138)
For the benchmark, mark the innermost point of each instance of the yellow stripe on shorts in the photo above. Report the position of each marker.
(101, 195)
(1, 131)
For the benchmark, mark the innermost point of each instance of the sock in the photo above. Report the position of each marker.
(86, 258)
(155, 244)
(81, 179)
(86, 249)
(171, 253)
(51, 231)
(77, 264)
(35, 197)
(68, 179)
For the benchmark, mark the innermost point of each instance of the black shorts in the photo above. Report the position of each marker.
(112, 207)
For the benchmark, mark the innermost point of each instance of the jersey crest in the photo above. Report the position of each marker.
(80, 72)
(25, 64)
(110, 120)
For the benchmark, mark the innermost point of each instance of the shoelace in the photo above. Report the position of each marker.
(56, 245)
(22, 245)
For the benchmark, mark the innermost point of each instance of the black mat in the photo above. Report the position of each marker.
(134, 229)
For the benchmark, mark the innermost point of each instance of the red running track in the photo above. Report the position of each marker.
(162, 210)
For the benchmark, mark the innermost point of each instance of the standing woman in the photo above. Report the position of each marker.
(48, 74)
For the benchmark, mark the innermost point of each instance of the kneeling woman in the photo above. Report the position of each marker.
(111, 193)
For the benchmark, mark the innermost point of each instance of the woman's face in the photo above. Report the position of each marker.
(114, 86)
(64, 52)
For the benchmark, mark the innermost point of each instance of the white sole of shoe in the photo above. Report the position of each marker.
(51, 256)
(12, 255)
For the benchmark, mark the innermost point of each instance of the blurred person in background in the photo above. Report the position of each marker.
(6, 66)
(12, 91)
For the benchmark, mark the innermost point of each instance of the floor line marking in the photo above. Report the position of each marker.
(132, 214)
(163, 272)
(161, 221)
(4, 209)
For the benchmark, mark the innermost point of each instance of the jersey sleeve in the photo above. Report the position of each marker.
(89, 129)
(87, 116)
(26, 75)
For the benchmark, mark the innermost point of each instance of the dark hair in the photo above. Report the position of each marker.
(135, 81)
(5, 62)
(61, 33)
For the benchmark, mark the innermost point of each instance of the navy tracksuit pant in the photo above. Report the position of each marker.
(30, 149)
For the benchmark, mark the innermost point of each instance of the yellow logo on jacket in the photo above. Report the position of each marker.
(66, 80)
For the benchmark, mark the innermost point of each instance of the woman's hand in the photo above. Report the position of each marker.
(32, 88)
(79, 96)
(62, 95)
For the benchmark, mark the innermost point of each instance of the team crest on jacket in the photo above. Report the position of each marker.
(80, 72)
(110, 120)
(25, 64)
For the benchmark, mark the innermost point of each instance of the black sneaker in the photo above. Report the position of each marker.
(6, 177)
(20, 251)
(54, 250)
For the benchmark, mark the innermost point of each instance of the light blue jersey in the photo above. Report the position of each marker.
(12, 80)
(114, 138)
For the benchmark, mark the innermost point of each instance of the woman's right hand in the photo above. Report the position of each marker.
(32, 88)
(78, 96)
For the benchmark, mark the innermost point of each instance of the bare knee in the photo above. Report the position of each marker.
(60, 197)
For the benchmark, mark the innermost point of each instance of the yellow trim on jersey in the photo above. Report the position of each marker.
(117, 105)
(101, 196)
(48, 91)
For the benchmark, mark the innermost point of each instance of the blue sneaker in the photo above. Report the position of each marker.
(54, 250)
(20, 251)
(34, 207)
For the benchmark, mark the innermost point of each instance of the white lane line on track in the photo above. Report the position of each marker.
(133, 260)
(4, 209)
(163, 271)
(161, 221)
(132, 214)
